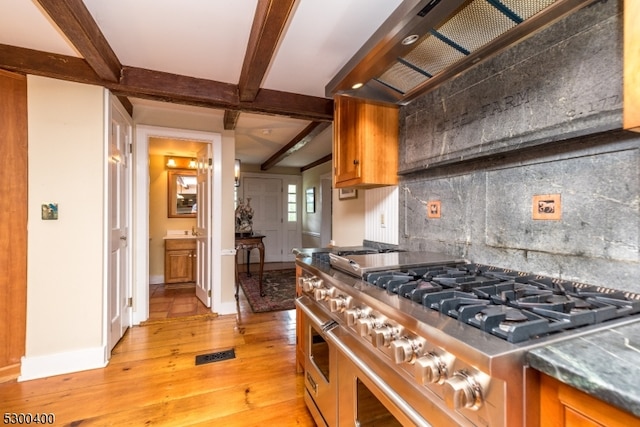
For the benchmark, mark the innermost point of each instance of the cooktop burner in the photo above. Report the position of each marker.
(512, 305)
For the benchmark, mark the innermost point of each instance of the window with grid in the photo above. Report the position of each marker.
(292, 203)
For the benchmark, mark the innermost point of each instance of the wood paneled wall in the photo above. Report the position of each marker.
(13, 222)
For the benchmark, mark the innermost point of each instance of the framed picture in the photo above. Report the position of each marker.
(311, 199)
(347, 193)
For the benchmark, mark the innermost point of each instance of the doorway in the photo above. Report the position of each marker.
(143, 239)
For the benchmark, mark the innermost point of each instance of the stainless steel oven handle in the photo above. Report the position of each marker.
(322, 322)
(388, 391)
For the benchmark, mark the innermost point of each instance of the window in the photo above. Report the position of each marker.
(292, 203)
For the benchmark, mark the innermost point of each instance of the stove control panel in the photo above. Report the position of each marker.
(433, 367)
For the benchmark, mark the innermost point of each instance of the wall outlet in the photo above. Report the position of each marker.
(383, 223)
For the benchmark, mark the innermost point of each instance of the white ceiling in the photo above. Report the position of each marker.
(207, 39)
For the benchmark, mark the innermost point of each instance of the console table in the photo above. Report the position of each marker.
(248, 242)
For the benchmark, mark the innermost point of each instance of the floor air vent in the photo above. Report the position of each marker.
(215, 357)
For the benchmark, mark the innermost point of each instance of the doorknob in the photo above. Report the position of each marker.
(123, 237)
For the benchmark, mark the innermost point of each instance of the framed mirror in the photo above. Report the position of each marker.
(182, 193)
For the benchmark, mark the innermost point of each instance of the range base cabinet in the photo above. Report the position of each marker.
(300, 352)
(179, 260)
(365, 141)
(564, 406)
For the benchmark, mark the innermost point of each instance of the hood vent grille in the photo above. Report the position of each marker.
(451, 37)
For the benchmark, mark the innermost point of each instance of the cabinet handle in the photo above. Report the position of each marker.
(356, 162)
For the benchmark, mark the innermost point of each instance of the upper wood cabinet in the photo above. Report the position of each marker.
(365, 143)
(631, 112)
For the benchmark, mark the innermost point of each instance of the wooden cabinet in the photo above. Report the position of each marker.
(365, 139)
(563, 405)
(180, 260)
(300, 353)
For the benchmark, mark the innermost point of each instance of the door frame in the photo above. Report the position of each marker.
(140, 233)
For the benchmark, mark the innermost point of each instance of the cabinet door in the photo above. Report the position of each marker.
(347, 144)
(179, 266)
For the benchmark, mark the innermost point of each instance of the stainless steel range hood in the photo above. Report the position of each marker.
(449, 36)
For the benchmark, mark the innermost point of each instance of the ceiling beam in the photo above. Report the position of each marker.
(269, 23)
(166, 87)
(299, 141)
(318, 162)
(77, 24)
(230, 119)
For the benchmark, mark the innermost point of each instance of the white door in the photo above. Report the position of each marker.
(265, 197)
(118, 292)
(203, 229)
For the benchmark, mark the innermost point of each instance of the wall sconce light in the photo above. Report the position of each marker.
(193, 164)
(236, 173)
(171, 163)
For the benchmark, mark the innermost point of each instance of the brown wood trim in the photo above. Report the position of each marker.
(13, 219)
(231, 119)
(318, 162)
(299, 141)
(159, 86)
(268, 25)
(77, 24)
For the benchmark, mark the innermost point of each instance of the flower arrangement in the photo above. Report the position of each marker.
(244, 216)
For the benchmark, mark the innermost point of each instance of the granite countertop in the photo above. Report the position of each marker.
(604, 364)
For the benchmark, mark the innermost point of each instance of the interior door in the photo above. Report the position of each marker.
(119, 289)
(268, 214)
(203, 228)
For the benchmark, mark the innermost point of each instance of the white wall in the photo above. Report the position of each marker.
(65, 256)
(348, 224)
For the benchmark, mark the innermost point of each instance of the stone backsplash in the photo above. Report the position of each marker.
(488, 173)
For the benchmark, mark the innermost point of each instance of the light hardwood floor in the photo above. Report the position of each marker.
(152, 378)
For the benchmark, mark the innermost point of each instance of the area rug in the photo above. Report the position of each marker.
(279, 288)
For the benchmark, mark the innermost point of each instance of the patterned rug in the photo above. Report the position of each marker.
(279, 287)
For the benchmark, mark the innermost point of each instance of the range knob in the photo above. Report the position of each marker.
(432, 368)
(353, 314)
(366, 325)
(308, 284)
(383, 335)
(340, 303)
(462, 390)
(405, 350)
(323, 293)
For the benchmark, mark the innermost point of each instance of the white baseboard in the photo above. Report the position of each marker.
(156, 280)
(62, 363)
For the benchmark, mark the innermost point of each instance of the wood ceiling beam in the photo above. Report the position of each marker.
(269, 23)
(231, 119)
(299, 141)
(77, 24)
(159, 86)
(318, 162)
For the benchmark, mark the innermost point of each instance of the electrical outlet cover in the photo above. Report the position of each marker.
(433, 209)
(547, 207)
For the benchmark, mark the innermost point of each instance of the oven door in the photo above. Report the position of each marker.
(365, 398)
(320, 364)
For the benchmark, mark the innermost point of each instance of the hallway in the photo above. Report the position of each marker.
(179, 300)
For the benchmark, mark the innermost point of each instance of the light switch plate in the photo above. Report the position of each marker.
(49, 211)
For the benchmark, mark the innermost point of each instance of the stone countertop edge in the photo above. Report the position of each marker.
(604, 364)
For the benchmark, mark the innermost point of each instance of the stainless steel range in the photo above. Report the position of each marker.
(420, 338)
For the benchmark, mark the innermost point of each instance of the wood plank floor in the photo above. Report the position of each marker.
(152, 378)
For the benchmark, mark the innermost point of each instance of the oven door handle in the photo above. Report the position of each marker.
(323, 322)
(379, 382)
